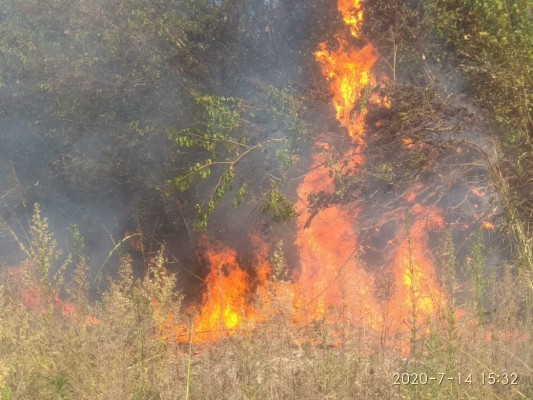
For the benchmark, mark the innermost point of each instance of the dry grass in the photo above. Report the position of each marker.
(47, 353)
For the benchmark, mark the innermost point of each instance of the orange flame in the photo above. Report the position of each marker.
(479, 192)
(417, 292)
(225, 302)
(330, 273)
(351, 14)
(348, 71)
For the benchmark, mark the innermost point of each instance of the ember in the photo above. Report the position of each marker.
(487, 225)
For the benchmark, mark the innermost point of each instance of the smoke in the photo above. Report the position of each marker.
(87, 93)
(84, 122)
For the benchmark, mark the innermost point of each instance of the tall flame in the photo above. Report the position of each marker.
(348, 71)
(328, 246)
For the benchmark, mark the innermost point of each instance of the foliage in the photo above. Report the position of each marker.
(399, 29)
(279, 205)
(280, 269)
(44, 252)
(480, 282)
(415, 109)
(89, 90)
(100, 68)
(226, 136)
(285, 109)
(111, 348)
(492, 42)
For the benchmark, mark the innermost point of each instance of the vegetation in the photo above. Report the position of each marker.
(224, 133)
(97, 90)
(423, 45)
(491, 43)
(164, 107)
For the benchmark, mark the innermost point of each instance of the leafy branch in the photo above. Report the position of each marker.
(225, 135)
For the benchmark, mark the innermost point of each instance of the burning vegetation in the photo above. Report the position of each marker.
(376, 255)
(332, 279)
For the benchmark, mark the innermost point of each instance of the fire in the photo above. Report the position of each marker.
(416, 286)
(479, 192)
(226, 302)
(33, 298)
(348, 70)
(351, 14)
(234, 293)
(327, 248)
(331, 276)
(330, 273)
(487, 225)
